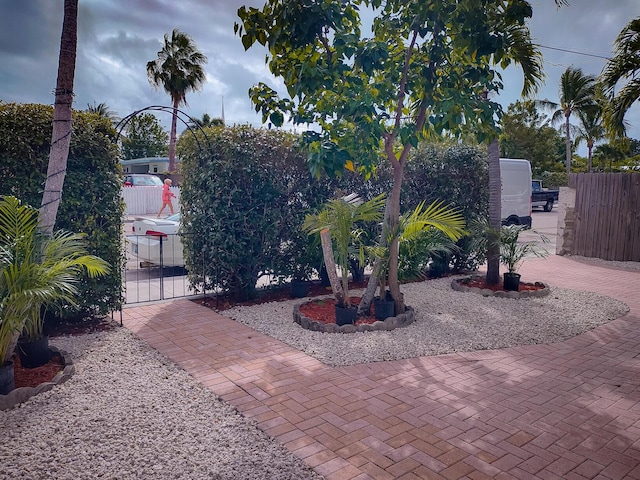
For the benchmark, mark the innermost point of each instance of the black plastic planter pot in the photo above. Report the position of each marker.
(6, 378)
(299, 289)
(34, 353)
(511, 281)
(383, 308)
(346, 315)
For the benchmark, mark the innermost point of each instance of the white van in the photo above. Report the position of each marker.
(515, 176)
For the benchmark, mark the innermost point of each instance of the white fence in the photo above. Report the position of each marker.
(147, 200)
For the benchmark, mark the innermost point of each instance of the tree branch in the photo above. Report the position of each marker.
(403, 80)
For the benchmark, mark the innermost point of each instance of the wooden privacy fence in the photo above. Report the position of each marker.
(147, 200)
(607, 215)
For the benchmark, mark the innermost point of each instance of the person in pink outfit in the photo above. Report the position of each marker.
(167, 195)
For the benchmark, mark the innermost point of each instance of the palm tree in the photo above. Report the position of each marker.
(103, 110)
(590, 131)
(520, 49)
(61, 135)
(577, 94)
(36, 269)
(625, 65)
(339, 222)
(178, 69)
(205, 121)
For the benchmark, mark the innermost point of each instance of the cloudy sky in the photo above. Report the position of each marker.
(116, 38)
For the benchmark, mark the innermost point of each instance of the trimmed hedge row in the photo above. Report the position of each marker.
(245, 193)
(91, 201)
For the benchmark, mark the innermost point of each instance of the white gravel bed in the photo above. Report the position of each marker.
(446, 321)
(129, 413)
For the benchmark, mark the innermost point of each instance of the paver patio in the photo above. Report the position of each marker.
(569, 410)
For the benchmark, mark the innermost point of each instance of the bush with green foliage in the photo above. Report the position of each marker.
(458, 176)
(554, 179)
(91, 200)
(243, 201)
(245, 194)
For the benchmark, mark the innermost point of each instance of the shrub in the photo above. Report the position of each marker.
(91, 201)
(243, 201)
(457, 175)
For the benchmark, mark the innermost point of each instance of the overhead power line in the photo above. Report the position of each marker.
(575, 52)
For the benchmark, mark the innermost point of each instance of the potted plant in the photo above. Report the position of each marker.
(410, 228)
(304, 263)
(36, 271)
(512, 253)
(338, 225)
(383, 304)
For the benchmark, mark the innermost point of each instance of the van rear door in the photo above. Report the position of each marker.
(515, 176)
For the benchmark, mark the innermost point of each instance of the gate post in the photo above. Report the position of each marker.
(566, 217)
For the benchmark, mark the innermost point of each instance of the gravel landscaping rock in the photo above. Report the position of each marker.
(446, 321)
(129, 413)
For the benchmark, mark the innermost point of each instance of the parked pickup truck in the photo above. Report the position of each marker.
(542, 197)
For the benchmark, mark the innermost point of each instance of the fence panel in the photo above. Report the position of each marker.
(607, 216)
(146, 200)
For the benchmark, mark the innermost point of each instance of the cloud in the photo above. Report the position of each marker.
(117, 38)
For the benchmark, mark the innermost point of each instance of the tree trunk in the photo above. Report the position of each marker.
(567, 142)
(370, 291)
(172, 137)
(330, 264)
(394, 217)
(589, 156)
(61, 135)
(495, 210)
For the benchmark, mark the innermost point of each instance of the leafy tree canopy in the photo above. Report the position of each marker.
(425, 68)
(145, 137)
(527, 134)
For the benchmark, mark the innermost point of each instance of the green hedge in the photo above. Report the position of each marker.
(243, 202)
(91, 201)
(245, 193)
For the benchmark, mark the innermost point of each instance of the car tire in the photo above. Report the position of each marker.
(548, 206)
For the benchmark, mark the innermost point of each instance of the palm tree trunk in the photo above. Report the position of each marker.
(589, 156)
(567, 141)
(330, 264)
(172, 136)
(62, 113)
(495, 211)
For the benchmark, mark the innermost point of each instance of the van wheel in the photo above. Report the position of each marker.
(511, 221)
(548, 206)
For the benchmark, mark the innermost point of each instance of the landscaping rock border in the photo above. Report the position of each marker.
(458, 285)
(22, 394)
(391, 323)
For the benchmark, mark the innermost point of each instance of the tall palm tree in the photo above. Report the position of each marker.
(520, 49)
(624, 66)
(61, 135)
(178, 69)
(577, 94)
(590, 131)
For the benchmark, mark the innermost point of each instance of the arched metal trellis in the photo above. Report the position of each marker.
(189, 122)
(161, 108)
